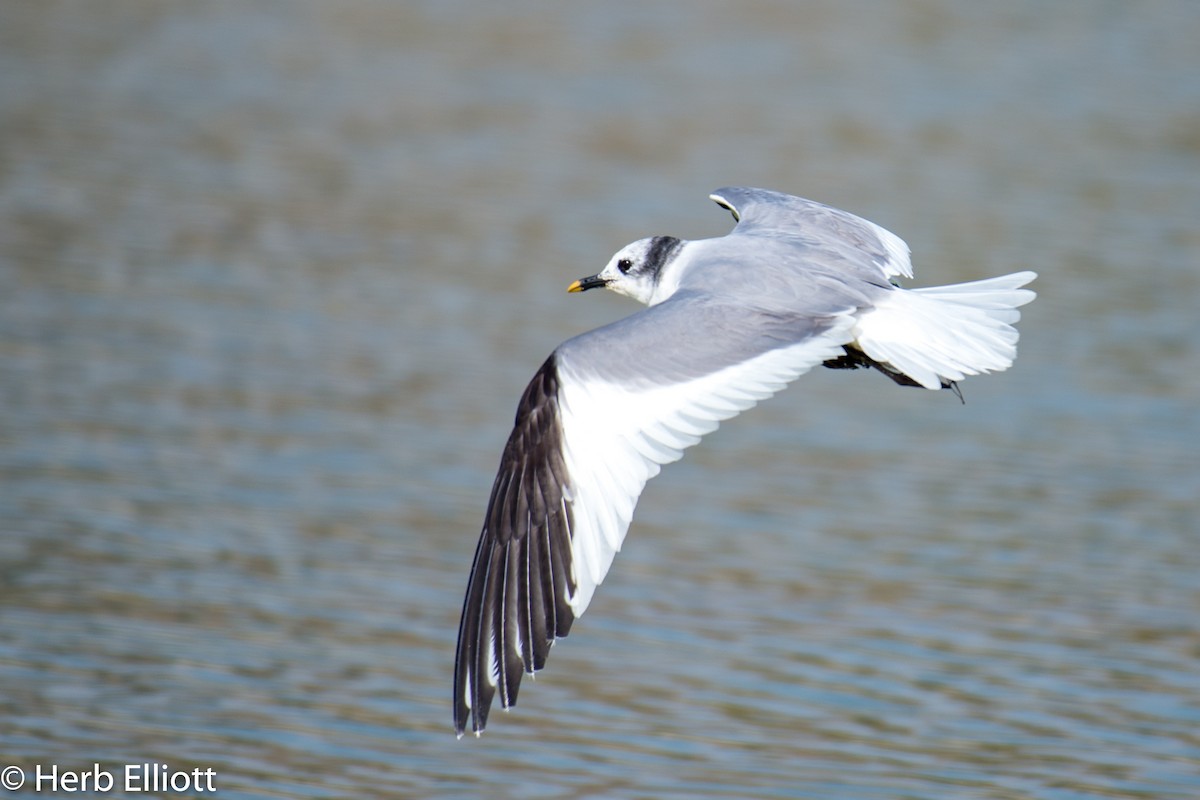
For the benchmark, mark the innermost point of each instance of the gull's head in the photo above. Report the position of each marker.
(636, 270)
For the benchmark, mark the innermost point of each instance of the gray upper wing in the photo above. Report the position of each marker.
(689, 336)
(861, 245)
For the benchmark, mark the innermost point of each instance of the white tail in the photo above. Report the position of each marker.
(945, 333)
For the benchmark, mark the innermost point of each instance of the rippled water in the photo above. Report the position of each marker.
(274, 275)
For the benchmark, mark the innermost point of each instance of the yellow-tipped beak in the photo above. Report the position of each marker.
(591, 282)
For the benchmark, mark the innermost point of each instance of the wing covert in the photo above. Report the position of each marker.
(762, 212)
(620, 423)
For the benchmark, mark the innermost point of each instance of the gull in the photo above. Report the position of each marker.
(730, 321)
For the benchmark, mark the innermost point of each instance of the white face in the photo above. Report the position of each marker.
(636, 268)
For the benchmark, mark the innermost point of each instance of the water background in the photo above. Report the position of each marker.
(273, 276)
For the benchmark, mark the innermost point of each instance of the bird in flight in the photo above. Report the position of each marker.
(731, 321)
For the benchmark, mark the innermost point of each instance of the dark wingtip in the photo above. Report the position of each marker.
(516, 600)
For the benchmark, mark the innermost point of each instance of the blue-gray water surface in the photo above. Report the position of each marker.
(272, 278)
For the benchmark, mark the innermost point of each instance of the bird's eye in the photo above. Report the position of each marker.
(624, 265)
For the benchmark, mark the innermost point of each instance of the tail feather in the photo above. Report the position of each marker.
(941, 334)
